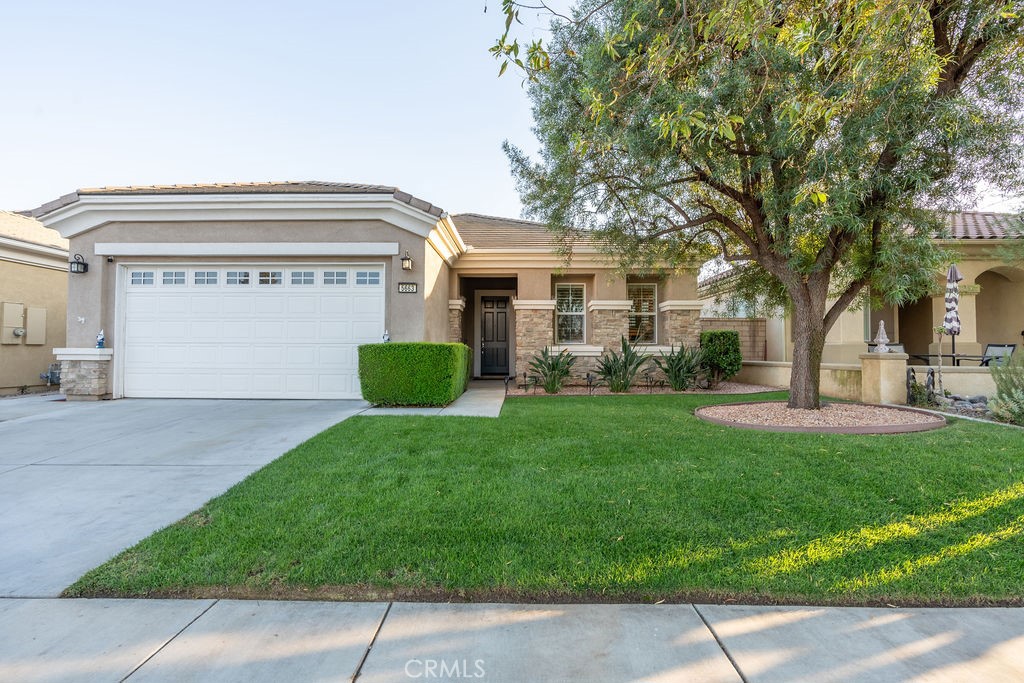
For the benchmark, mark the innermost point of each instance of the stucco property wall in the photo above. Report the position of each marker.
(38, 287)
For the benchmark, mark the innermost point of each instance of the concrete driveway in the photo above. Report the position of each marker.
(80, 482)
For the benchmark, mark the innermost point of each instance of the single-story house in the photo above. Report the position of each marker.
(991, 302)
(33, 300)
(265, 290)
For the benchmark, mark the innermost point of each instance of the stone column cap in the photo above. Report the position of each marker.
(680, 305)
(534, 304)
(884, 356)
(457, 304)
(609, 305)
(83, 354)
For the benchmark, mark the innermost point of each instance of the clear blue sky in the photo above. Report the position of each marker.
(136, 93)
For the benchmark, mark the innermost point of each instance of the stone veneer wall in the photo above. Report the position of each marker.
(85, 380)
(534, 331)
(454, 325)
(752, 331)
(680, 327)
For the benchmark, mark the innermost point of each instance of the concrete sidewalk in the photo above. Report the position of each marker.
(483, 398)
(229, 640)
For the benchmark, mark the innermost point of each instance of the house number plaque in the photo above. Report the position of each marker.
(407, 287)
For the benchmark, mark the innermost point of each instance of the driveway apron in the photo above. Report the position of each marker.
(80, 482)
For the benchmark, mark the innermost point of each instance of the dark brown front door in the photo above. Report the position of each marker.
(494, 335)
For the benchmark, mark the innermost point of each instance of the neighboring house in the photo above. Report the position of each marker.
(33, 300)
(991, 301)
(265, 290)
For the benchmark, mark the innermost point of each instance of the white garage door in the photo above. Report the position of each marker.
(249, 331)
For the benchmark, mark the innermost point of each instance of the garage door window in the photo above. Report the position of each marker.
(367, 277)
(303, 277)
(174, 277)
(142, 277)
(205, 277)
(238, 277)
(271, 277)
(335, 277)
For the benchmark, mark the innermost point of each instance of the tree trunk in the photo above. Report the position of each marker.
(808, 343)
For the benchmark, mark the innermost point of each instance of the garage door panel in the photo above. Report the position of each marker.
(332, 305)
(237, 303)
(213, 338)
(368, 305)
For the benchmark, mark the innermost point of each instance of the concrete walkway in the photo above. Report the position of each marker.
(226, 640)
(79, 482)
(483, 398)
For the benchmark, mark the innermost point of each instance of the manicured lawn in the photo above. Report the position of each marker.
(605, 498)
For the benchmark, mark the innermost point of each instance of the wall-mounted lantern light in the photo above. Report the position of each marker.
(78, 265)
(407, 261)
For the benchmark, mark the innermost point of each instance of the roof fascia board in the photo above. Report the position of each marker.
(43, 258)
(277, 249)
(93, 211)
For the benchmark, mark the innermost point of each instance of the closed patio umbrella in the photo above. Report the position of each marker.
(951, 321)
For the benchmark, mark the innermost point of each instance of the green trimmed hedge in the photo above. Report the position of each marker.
(722, 356)
(413, 373)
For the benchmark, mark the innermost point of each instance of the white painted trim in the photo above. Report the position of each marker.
(27, 257)
(121, 280)
(656, 312)
(91, 211)
(581, 350)
(83, 354)
(609, 305)
(554, 331)
(276, 249)
(680, 305)
(534, 304)
(456, 304)
(654, 349)
(511, 331)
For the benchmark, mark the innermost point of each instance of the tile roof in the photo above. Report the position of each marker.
(492, 232)
(982, 225)
(26, 229)
(296, 187)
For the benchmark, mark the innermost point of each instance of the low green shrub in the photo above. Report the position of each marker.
(619, 370)
(1008, 403)
(413, 373)
(722, 357)
(681, 367)
(550, 370)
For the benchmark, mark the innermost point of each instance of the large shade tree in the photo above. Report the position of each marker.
(814, 143)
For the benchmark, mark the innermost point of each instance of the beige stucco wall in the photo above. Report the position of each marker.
(435, 295)
(91, 296)
(36, 286)
(839, 380)
(1000, 307)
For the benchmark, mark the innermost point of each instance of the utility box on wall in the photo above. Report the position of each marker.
(12, 323)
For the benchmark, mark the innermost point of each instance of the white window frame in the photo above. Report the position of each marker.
(147, 278)
(303, 280)
(205, 275)
(369, 272)
(653, 315)
(270, 275)
(174, 276)
(238, 274)
(582, 314)
(335, 276)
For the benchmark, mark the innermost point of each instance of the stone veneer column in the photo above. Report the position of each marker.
(456, 307)
(609, 323)
(535, 329)
(680, 322)
(85, 373)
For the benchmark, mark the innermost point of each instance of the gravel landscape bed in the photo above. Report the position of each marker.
(722, 388)
(839, 418)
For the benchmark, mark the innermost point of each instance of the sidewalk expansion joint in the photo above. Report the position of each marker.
(721, 645)
(169, 641)
(366, 653)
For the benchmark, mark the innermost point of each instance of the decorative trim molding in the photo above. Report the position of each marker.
(680, 305)
(581, 350)
(533, 304)
(83, 354)
(609, 305)
(92, 211)
(247, 249)
(26, 253)
(456, 304)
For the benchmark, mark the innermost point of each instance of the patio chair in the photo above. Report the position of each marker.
(997, 354)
